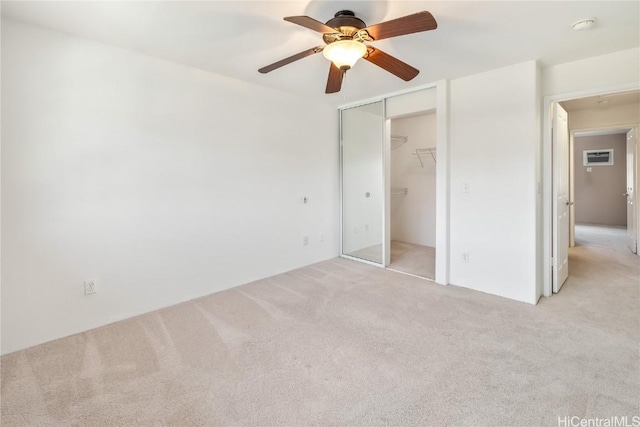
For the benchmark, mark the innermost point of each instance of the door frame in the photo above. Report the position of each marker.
(572, 183)
(548, 235)
(561, 253)
(635, 212)
(442, 176)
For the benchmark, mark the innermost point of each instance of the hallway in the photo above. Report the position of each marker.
(603, 288)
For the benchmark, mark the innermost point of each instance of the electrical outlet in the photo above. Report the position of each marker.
(466, 188)
(305, 240)
(465, 256)
(89, 287)
(321, 238)
(366, 227)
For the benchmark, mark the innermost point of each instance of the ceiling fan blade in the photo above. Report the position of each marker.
(421, 21)
(311, 24)
(393, 65)
(291, 59)
(334, 82)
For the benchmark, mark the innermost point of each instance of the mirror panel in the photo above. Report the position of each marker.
(362, 134)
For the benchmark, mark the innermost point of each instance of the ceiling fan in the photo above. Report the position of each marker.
(345, 36)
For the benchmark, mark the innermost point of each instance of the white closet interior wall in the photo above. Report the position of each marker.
(413, 215)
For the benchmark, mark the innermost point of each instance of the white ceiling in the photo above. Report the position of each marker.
(602, 101)
(235, 38)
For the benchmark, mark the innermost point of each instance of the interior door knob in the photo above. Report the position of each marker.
(569, 203)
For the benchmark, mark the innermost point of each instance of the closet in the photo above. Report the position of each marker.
(389, 184)
(413, 160)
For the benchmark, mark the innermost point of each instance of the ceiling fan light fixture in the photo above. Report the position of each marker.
(344, 38)
(344, 53)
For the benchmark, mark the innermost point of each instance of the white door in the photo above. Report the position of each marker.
(632, 235)
(561, 201)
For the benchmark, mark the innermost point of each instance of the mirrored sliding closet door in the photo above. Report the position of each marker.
(363, 192)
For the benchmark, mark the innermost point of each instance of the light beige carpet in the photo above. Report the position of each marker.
(415, 259)
(343, 343)
(370, 253)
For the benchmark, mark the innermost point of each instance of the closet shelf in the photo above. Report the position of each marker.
(398, 140)
(397, 190)
(423, 152)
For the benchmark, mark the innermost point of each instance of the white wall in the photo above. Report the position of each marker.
(160, 182)
(494, 139)
(540, 237)
(421, 101)
(413, 216)
(598, 72)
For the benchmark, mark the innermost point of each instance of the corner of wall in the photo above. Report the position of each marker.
(538, 126)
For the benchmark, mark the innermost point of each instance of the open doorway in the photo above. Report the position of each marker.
(413, 163)
(601, 166)
(599, 171)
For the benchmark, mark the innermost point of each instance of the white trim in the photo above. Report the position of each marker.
(626, 87)
(361, 104)
(387, 95)
(572, 191)
(341, 236)
(386, 181)
(442, 185)
(547, 168)
(411, 274)
(600, 130)
(365, 261)
(636, 181)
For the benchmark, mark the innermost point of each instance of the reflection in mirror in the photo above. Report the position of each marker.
(362, 181)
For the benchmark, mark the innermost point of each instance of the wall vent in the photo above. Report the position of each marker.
(597, 157)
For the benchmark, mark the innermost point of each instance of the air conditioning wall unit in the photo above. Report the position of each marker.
(598, 157)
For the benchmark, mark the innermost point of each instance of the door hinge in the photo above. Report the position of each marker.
(553, 262)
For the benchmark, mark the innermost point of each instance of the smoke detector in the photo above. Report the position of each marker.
(584, 24)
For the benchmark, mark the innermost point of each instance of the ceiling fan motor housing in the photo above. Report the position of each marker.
(346, 22)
